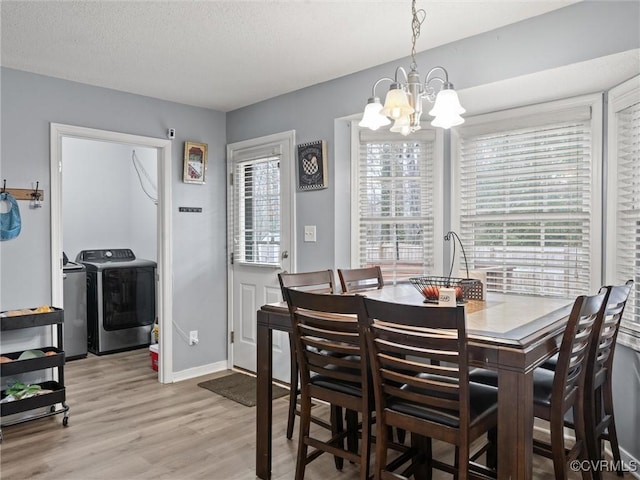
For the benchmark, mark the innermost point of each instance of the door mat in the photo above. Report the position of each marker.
(240, 388)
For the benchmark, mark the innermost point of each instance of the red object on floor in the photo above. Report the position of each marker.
(153, 351)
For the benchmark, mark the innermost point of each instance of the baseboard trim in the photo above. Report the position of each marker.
(199, 371)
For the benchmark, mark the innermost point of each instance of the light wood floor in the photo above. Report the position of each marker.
(124, 425)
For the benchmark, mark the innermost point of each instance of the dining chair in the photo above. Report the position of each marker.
(357, 279)
(333, 368)
(419, 363)
(598, 396)
(318, 281)
(598, 405)
(557, 392)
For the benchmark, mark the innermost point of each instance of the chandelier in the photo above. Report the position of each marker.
(403, 103)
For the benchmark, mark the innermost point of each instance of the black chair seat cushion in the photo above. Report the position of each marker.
(551, 363)
(542, 382)
(330, 383)
(483, 400)
(354, 389)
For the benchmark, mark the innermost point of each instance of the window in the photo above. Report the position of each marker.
(623, 202)
(256, 234)
(393, 202)
(527, 197)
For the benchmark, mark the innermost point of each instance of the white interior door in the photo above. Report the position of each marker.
(261, 236)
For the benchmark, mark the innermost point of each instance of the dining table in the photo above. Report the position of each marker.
(509, 333)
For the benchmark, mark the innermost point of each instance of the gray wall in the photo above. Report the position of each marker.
(29, 104)
(626, 383)
(103, 204)
(578, 33)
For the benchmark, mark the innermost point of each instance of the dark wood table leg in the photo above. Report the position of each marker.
(264, 405)
(515, 425)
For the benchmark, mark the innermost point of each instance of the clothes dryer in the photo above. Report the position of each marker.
(121, 299)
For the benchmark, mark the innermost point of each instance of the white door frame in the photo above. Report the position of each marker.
(164, 227)
(289, 139)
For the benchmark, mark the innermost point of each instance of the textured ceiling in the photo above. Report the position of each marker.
(228, 54)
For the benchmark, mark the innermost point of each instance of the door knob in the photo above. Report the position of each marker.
(285, 254)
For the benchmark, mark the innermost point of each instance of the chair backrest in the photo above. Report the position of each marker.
(320, 281)
(574, 349)
(327, 334)
(356, 279)
(601, 351)
(419, 354)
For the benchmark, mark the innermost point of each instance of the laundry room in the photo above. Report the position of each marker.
(110, 237)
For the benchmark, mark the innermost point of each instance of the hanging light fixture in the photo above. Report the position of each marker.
(403, 103)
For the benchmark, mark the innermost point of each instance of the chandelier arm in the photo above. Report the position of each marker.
(404, 72)
(430, 91)
(375, 85)
(429, 77)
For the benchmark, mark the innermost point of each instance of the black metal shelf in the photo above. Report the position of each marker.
(56, 397)
(16, 322)
(29, 365)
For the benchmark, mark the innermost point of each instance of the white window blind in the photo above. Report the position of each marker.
(525, 201)
(256, 228)
(395, 205)
(624, 197)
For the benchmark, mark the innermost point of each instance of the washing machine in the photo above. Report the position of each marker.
(121, 299)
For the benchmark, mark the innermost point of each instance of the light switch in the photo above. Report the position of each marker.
(309, 233)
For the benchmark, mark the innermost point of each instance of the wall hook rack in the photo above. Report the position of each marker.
(35, 195)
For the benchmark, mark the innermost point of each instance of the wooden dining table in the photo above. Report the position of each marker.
(511, 334)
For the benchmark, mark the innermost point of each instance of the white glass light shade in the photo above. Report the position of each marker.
(372, 118)
(396, 104)
(402, 125)
(447, 109)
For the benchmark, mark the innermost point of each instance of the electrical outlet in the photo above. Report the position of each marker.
(309, 233)
(193, 337)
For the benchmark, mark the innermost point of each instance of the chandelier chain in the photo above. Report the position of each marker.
(419, 17)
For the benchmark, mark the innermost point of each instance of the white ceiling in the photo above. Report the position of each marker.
(228, 54)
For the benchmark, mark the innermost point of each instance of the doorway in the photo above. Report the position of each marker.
(162, 148)
(261, 227)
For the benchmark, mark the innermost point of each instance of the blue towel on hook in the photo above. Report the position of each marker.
(10, 222)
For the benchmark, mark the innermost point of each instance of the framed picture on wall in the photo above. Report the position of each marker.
(195, 162)
(312, 165)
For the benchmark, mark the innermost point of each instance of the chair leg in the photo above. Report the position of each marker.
(422, 445)
(382, 437)
(293, 392)
(607, 398)
(557, 448)
(352, 430)
(365, 449)
(492, 449)
(579, 414)
(462, 461)
(592, 418)
(336, 428)
(305, 423)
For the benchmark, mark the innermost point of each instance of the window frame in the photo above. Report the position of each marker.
(513, 115)
(437, 189)
(619, 98)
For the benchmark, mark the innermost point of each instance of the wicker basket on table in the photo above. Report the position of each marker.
(466, 288)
